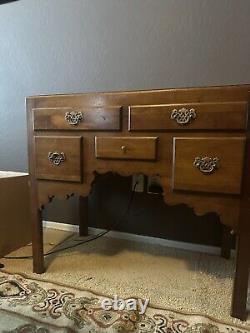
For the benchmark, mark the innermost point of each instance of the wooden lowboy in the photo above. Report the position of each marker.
(196, 140)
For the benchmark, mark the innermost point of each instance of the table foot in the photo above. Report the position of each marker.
(239, 299)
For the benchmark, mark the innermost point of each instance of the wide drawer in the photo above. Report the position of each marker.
(208, 164)
(58, 158)
(210, 116)
(85, 118)
(126, 148)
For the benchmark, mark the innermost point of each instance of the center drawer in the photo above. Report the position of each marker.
(208, 164)
(126, 148)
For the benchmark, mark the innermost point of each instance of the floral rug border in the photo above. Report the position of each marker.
(129, 322)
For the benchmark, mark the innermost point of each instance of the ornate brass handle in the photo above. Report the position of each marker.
(56, 158)
(183, 116)
(206, 164)
(74, 118)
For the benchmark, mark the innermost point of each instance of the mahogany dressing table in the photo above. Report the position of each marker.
(196, 140)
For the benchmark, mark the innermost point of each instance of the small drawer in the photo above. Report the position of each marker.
(58, 158)
(84, 118)
(206, 116)
(126, 148)
(208, 164)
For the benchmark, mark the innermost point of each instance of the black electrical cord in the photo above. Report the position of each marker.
(101, 234)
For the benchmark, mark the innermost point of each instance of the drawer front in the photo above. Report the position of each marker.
(85, 118)
(210, 116)
(58, 158)
(126, 148)
(208, 164)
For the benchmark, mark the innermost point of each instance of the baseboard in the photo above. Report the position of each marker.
(138, 238)
(61, 226)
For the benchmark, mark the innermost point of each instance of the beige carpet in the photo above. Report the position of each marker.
(38, 306)
(170, 278)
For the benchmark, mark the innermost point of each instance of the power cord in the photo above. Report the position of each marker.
(101, 234)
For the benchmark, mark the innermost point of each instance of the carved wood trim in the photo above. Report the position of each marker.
(227, 207)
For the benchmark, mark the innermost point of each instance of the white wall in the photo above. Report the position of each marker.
(52, 46)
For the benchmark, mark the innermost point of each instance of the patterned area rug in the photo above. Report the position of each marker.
(36, 306)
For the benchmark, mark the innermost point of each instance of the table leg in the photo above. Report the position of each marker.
(37, 230)
(83, 216)
(240, 289)
(37, 240)
(226, 242)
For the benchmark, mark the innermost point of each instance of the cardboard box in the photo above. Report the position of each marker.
(15, 225)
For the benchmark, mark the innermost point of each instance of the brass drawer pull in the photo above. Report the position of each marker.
(56, 158)
(74, 118)
(183, 116)
(206, 164)
(124, 149)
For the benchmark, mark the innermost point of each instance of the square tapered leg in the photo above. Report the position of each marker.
(83, 216)
(239, 299)
(226, 242)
